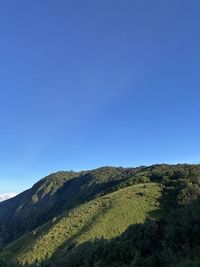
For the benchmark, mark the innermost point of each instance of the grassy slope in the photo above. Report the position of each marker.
(63, 191)
(106, 216)
(56, 193)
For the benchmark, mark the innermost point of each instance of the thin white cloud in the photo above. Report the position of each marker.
(4, 196)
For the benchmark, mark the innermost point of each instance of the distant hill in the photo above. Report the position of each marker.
(70, 214)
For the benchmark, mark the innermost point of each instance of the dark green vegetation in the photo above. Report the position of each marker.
(116, 217)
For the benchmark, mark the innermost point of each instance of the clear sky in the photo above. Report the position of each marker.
(97, 82)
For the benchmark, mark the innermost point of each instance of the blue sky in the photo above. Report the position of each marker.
(91, 83)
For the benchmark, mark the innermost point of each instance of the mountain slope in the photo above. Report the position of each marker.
(106, 216)
(64, 190)
(173, 241)
(58, 192)
(60, 216)
(30, 208)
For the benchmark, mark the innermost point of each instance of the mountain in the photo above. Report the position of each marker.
(113, 210)
(56, 193)
(5, 196)
(106, 216)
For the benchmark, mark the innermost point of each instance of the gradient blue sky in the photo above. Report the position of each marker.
(91, 83)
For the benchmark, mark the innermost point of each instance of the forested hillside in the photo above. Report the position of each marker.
(146, 216)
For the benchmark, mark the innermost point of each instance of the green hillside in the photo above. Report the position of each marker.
(116, 217)
(106, 216)
(56, 193)
(63, 191)
(173, 241)
(59, 192)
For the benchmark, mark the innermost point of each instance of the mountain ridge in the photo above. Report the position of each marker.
(64, 211)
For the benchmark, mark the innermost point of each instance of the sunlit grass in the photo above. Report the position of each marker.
(106, 216)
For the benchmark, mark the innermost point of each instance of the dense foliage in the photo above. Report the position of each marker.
(168, 237)
(166, 242)
(107, 216)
